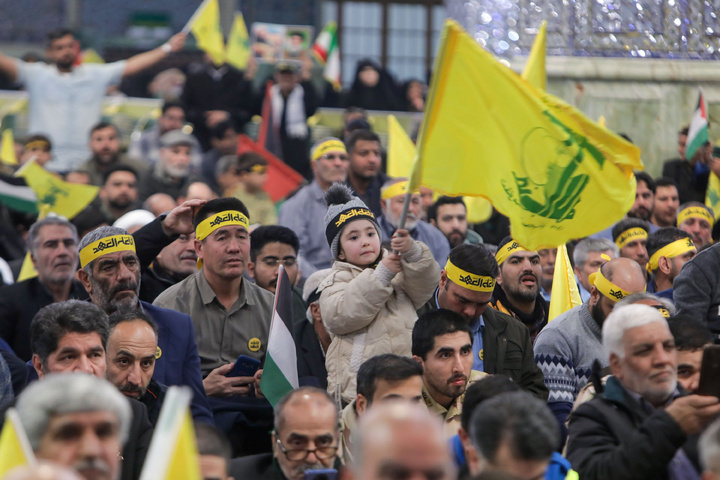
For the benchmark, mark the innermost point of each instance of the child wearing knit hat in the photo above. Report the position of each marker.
(368, 302)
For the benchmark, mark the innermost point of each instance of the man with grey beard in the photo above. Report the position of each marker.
(392, 197)
(171, 174)
(641, 425)
(110, 272)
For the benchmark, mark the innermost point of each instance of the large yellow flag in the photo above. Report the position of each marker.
(7, 148)
(487, 132)
(207, 31)
(238, 45)
(565, 294)
(173, 452)
(401, 150)
(55, 195)
(15, 450)
(534, 71)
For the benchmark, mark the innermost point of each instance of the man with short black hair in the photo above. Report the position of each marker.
(65, 99)
(644, 197)
(104, 145)
(518, 291)
(365, 175)
(501, 343)
(669, 249)
(173, 264)
(666, 204)
(449, 215)
(119, 191)
(224, 141)
(442, 344)
(691, 337)
(630, 236)
(698, 220)
(214, 452)
(514, 433)
(52, 243)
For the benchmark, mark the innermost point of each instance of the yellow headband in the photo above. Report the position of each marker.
(116, 243)
(607, 288)
(399, 188)
(222, 219)
(328, 146)
(630, 235)
(695, 212)
(671, 250)
(504, 252)
(468, 280)
(38, 144)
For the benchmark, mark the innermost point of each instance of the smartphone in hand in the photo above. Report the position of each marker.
(710, 372)
(244, 367)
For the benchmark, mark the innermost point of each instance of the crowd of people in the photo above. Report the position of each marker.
(423, 344)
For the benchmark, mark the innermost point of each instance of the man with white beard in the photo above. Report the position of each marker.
(172, 173)
(392, 197)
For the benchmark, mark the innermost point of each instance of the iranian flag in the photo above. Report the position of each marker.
(698, 131)
(280, 373)
(326, 51)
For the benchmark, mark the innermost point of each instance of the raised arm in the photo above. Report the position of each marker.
(144, 60)
(8, 65)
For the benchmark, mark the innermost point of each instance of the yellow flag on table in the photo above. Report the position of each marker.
(238, 45)
(207, 32)
(401, 150)
(54, 194)
(15, 450)
(173, 452)
(555, 173)
(565, 294)
(7, 148)
(534, 71)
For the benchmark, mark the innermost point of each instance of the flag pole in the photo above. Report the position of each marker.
(198, 11)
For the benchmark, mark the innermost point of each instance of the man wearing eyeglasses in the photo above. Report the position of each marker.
(271, 246)
(304, 212)
(306, 437)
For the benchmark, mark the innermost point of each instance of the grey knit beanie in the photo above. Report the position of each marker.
(344, 208)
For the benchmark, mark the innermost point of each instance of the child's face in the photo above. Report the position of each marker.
(254, 181)
(359, 243)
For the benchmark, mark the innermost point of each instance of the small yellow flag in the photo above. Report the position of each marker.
(27, 271)
(565, 294)
(401, 150)
(7, 148)
(601, 121)
(555, 173)
(55, 195)
(91, 56)
(184, 460)
(15, 450)
(238, 45)
(207, 31)
(534, 71)
(712, 196)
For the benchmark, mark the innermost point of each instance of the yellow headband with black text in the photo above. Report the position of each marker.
(671, 250)
(607, 288)
(219, 220)
(399, 188)
(504, 252)
(695, 212)
(115, 243)
(332, 145)
(630, 235)
(478, 283)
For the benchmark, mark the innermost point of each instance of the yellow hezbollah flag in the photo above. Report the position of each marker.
(401, 150)
(7, 148)
(238, 45)
(55, 195)
(15, 450)
(173, 451)
(207, 32)
(555, 173)
(565, 294)
(712, 197)
(534, 71)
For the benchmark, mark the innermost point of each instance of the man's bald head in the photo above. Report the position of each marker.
(622, 272)
(399, 440)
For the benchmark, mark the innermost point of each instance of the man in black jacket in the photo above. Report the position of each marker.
(501, 344)
(642, 425)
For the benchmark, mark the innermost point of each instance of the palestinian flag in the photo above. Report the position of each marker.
(16, 195)
(280, 373)
(698, 132)
(326, 51)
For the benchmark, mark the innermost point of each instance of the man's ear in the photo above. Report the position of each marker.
(664, 265)
(616, 366)
(432, 222)
(419, 360)
(103, 193)
(37, 365)
(360, 404)
(84, 278)
(251, 269)
(594, 296)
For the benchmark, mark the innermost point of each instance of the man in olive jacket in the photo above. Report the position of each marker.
(501, 344)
